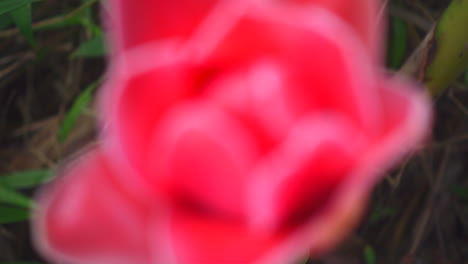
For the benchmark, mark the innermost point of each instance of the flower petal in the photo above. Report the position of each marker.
(321, 63)
(297, 180)
(406, 118)
(210, 241)
(131, 108)
(362, 15)
(255, 95)
(203, 156)
(134, 23)
(86, 218)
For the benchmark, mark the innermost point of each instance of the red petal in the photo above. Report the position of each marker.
(322, 65)
(133, 23)
(406, 117)
(316, 57)
(131, 109)
(204, 155)
(298, 179)
(85, 217)
(209, 241)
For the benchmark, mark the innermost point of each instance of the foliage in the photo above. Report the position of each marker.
(18, 12)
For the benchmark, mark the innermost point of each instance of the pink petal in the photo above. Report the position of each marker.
(265, 35)
(279, 38)
(407, 115)
(131, 108)
(320, 64)
(255, 95)
(203, 156)
(297, 180)
(362, 15)
(326, 228)
(86, 218)
(406, 118)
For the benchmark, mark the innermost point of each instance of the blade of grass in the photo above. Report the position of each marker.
(397, 43)
(91, 26)
(22, 18)
(369, 255)
(10, 215)
(94, 47)
(89, 23)
(26, 179)
(12, 197)
(7, 6)
(75, 111)
(5, 21)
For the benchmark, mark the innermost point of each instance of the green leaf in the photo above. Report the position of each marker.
(11, 214)
(448, 58)
(369, 255)
(88, 21)
(397, 46)
(26, 179)
(12, 197)
(22, 18)
(75, 111)
(7, 6)
(93, 28)
(398, 43)
(5, 21)
(94, 47)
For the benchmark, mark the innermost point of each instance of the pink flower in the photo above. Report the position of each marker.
(231, 132)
